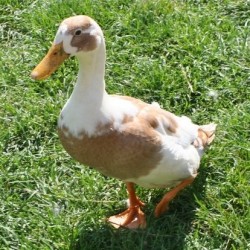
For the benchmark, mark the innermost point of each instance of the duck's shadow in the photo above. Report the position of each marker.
(167, 232)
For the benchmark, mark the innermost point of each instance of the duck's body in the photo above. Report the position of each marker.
(121, 137)
(134, 142)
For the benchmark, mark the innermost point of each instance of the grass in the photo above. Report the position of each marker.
(190, 56)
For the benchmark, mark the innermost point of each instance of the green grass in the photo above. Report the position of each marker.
(192, 57)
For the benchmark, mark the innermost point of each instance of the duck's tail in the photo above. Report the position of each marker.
(206, 134)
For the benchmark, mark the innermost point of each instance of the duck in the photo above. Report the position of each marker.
(120, 136)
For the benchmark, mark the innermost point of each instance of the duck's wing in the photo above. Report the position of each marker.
(179, 129)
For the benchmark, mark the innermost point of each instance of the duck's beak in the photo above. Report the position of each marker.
(54, 58)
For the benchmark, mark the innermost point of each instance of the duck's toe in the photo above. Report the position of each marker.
(131, 218)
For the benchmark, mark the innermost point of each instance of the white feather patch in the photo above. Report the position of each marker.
(81, 117)
(63, 37)
(60, 33)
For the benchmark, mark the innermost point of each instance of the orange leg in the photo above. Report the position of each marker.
(163, 204)
(133, 217)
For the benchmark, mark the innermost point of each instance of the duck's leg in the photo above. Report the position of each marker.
(133, 217)
(163, 204)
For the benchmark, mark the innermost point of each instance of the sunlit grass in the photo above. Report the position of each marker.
(190, 56)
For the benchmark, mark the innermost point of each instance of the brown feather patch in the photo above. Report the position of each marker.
(85, 42)
(124, 154)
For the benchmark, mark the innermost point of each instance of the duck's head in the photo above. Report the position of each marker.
(76, 35)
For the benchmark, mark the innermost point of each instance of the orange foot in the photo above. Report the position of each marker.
(163, 205)
(133, 217)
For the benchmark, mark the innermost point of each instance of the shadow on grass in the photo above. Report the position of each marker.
(167, 232)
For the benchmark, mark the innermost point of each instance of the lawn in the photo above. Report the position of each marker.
(192, 57)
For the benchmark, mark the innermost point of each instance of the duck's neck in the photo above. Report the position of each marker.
(90, 85)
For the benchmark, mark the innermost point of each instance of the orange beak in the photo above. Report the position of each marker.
(54, 58)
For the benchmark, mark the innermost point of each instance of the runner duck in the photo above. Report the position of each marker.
(120, 136)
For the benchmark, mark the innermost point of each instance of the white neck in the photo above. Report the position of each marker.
(90, 85)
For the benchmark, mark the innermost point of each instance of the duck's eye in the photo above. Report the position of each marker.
(78, 32)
